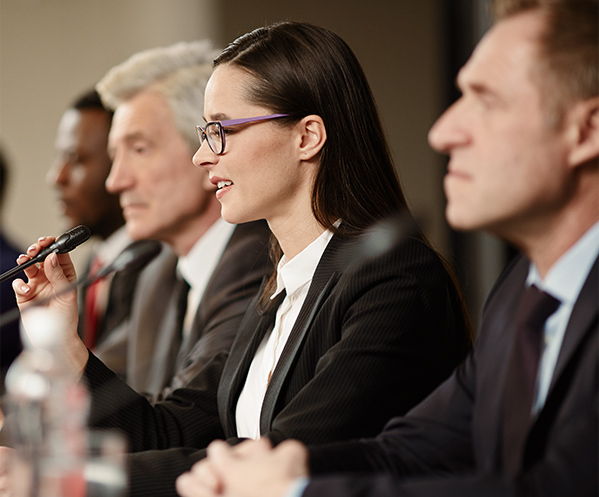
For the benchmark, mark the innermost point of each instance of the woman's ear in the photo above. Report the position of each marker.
(313, 136)
(583, 132)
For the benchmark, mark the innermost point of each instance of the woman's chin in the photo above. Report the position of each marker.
(234, 217)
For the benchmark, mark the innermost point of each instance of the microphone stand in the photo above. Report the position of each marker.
(14, 314)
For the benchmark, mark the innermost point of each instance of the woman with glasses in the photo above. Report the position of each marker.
(344, 335)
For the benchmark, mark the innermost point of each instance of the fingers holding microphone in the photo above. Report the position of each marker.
(48, 283)
(45, 278)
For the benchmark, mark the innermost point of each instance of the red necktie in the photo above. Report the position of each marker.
(92, 313)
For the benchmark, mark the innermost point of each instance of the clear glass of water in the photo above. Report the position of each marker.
(105, 468)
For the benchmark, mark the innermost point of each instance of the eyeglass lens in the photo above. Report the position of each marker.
(213, 134)
(214, 137)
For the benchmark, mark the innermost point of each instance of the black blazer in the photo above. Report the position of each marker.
(372, 339)
(149, 351)
(458, 429)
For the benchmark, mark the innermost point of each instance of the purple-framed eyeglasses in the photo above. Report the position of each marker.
(214, 132)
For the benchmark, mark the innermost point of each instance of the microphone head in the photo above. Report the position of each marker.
(137, 254)
(72, 238)
(387, 233)
(380, 238)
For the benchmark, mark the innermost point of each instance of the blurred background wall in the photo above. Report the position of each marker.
(52, 50)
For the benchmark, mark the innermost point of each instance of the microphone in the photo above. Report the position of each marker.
(386, 234)
(63, 244)
(137, 254)
(380, 238)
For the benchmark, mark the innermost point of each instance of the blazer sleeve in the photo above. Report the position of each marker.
(414, 453)
(428, 439)
(569, 467)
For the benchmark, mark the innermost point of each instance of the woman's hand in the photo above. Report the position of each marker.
(250, 469)
(47, 281)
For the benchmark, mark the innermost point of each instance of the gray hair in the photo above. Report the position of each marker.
(179, 72)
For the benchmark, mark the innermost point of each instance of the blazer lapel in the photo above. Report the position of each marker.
(252, 330)
(149, 317)
(583, 315)
(190, 339)
(583, 322)
(492, 365)
(219, 279)
(325, 278)
(120, 295)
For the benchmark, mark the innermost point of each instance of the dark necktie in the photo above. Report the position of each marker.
(535, 307)
(182, 291)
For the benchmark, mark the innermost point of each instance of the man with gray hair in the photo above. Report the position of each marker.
(188, 303)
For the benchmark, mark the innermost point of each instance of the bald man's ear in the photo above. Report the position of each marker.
(582, 124)
(313, 136)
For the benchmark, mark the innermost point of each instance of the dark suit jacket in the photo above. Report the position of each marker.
(116, 325)
(373, 338)
(458, 428)
(121, 286)
(148, 349)
(10, 341)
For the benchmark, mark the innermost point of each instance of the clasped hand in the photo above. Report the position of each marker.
(250, 469)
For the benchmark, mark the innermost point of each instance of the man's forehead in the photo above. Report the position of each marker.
(507, 51)
(137, 121)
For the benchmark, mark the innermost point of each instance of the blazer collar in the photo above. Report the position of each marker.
(254, 325)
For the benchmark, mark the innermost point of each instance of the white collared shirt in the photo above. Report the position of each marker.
(294, 277)
(198, 265)
(564, 281)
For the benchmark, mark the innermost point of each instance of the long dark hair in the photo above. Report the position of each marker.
(301, 69)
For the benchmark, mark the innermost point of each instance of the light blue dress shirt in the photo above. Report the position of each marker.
(564, 282)
(298, 487)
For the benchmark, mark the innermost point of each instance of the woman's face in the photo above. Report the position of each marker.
(260, 174)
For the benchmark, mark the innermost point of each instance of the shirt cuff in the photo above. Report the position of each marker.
(297, 487)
